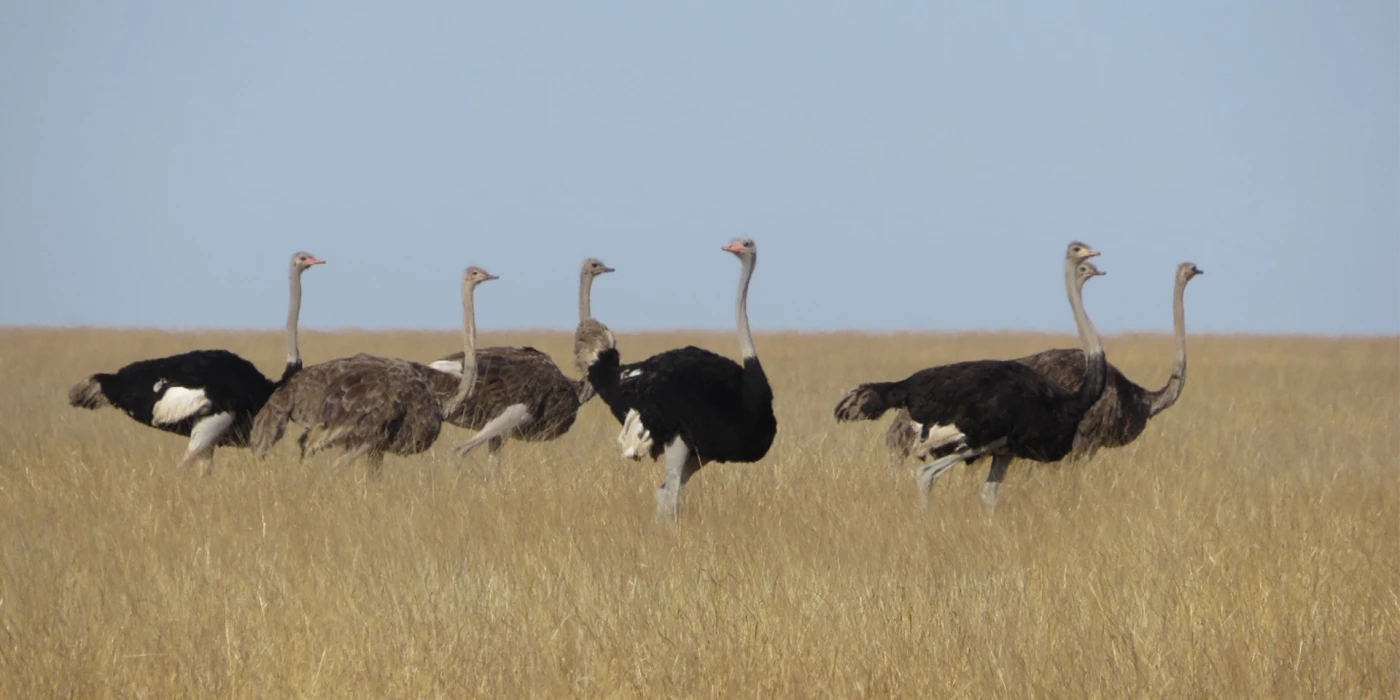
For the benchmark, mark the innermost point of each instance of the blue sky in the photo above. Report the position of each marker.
(901, 166)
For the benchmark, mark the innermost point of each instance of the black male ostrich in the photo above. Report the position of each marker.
(211, 396)
(691, 404)
(997, 407)
(1119, 416)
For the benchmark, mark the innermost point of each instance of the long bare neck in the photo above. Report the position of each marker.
(585, 295)
(741, 309)
(293, 317)
(1095, 366)
(1163, 398)
(464, 388)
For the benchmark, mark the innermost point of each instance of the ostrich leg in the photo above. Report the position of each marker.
(681, 464)
(350, 456)
(494, 431)
(202, 438)
(494, 447)
(376, 464)
(931, 471)
(993, 484)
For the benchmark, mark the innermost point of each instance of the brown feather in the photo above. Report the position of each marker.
(378, 403)
(507, 376)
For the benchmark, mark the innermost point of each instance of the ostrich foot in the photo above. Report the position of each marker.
(989, 497)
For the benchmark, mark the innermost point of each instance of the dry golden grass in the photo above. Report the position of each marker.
(1247, 545)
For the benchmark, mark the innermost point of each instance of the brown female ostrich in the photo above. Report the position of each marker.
(369, 405)
(520, 392)
(1120, 415)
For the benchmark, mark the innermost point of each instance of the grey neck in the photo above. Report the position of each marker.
(1095, 366)
(1163, 398)
(293, 316)
(585, 294)
(741, 308)
(468, 383)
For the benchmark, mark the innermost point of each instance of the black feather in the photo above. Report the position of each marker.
(230, 383)
(986, 399)
(723, 411)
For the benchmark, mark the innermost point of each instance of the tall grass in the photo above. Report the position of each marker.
(1247, 545)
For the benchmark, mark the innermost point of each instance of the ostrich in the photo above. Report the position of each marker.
(997, 407)
(369, 405)
(691, 404)
(209, 396)
(519, 391)
(1120, 415)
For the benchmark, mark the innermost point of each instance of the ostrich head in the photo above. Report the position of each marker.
(302, 260)
(1079, 251)
(1185, 271)
(594, 267)
(1086, 271)
(475, 275)
(742, 247)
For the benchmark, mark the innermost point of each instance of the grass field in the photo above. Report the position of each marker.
(1248, 545)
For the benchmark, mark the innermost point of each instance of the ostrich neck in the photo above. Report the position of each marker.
(464, 388)
(741, 309)
(585, 294)
(1163, 398)
(293, 316)
(1095, 366)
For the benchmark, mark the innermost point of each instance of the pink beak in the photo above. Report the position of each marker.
(733, 248)
(315, 261)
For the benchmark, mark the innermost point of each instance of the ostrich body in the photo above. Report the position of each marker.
(209, 396)
(997, 407)
(520, 392)
(1119, 416)
(690, 404)
(369, 405)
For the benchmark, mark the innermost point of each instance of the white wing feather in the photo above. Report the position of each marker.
(177, 404)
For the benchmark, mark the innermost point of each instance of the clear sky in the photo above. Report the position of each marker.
(901, 165)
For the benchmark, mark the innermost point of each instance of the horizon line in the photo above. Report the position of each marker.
(698, 330)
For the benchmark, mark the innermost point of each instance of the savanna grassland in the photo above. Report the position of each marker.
(1248, 545)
